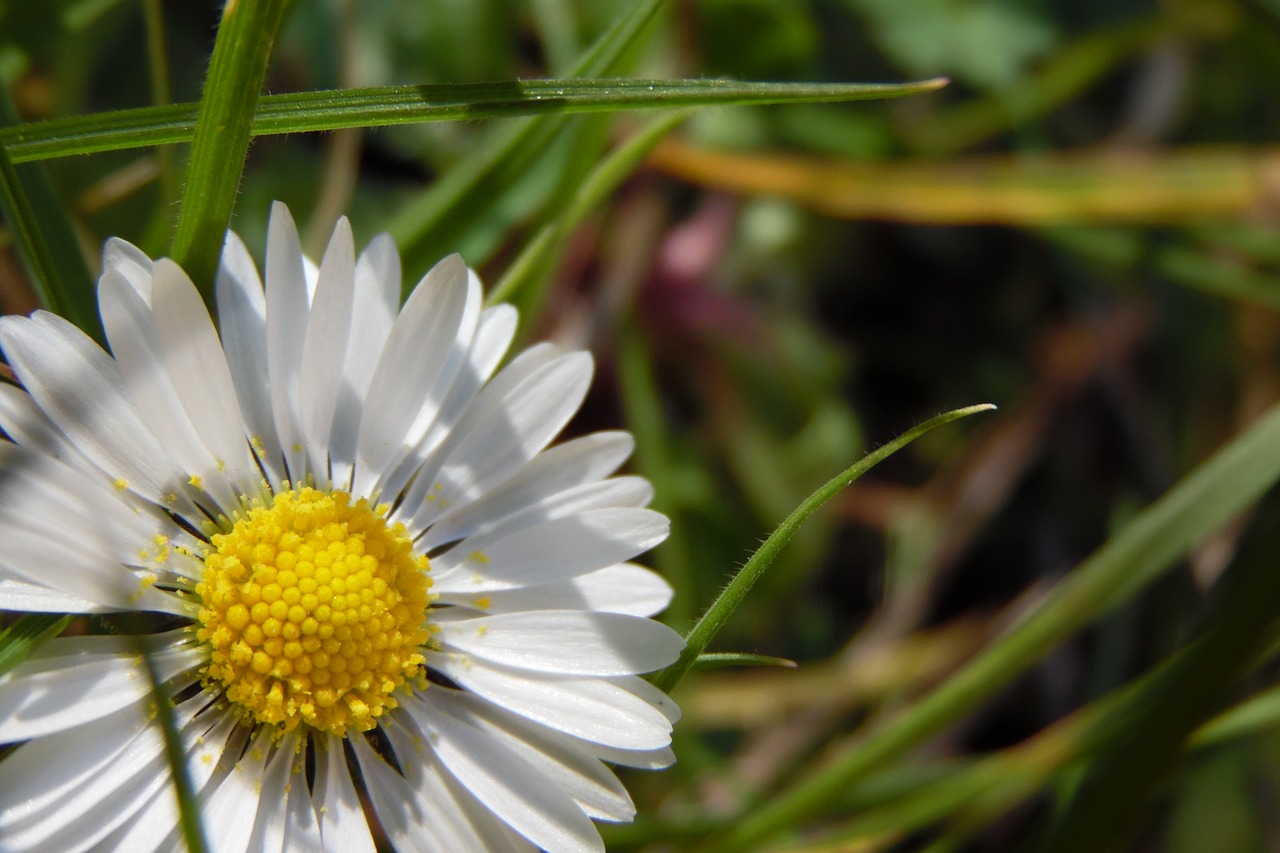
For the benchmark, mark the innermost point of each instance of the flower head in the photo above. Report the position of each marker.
(359, 561)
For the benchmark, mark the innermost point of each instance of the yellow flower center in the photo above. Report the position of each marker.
(314, 609)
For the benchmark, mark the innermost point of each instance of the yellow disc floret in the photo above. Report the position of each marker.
(315, 610)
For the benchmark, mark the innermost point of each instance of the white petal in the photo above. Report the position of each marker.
(288, 312)
(69, 533)
(208, 755)
(73, 789)
(343, 828)
(423, 816)
(285, 766)
(71, 681)
(232, 806)
(24, 423)
(625, 588)
(440, 441)
(129, 261)
(79, 387)
(568, 766)
(410, 375)
(555, 550)
(490, 446)
(582, 460)
(242, 320)
(644, 759)
(492, 338)
(508, 785)
(566, 641)
(588, 708)
(131, 330)
(23, 596)
(198, 367)
(326, 345)
(376, 304)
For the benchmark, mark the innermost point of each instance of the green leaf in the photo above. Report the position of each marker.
(392, 105)
(45, 236)
(722, 608)
(221, 134)
(29, 632)
(1210, 496)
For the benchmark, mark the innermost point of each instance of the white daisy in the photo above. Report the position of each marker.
(361, 563)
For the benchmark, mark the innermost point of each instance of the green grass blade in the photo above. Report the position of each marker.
(1105, 811)
(722, 608)
(222, 131)
(28, 632)
(45, 236)
(1252, 715)
(393, 105)
(188, 809)
(720, 660)
(1213, 494)
(531, 266)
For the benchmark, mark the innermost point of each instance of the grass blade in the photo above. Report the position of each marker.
(222, 131)
(393, 105)
(1213, 494)
(722, 608)
(28, 632)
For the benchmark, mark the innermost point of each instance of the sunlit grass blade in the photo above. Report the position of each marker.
(27, 633)
(715, 617)
(393, 105)
(721, 660)
(1213, 494)
(220, 142)
(45, 236)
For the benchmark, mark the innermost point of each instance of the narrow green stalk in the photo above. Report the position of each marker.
(722, 608)
(188, 809)
(549, 101)
(241, 52)
(1213, 494)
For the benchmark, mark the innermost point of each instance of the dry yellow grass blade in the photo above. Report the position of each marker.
(1076, 187)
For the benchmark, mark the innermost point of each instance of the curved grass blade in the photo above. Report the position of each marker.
(722, 608)
(1214, 493)
(221, 133)
(391, 105)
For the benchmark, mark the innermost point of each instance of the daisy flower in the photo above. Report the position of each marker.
(362, 572)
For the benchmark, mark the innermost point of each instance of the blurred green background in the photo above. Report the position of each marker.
(1082, 228)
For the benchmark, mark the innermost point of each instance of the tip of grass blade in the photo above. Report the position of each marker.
(711, 621)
